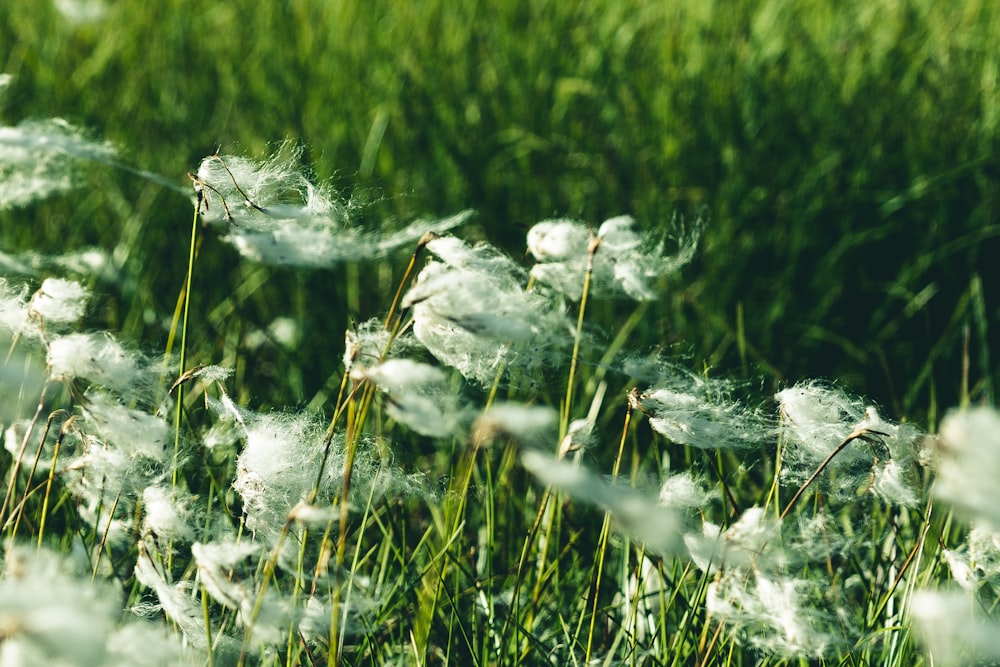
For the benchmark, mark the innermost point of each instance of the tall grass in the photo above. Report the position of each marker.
(262, 437)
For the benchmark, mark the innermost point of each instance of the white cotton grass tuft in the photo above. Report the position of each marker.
(166, 514)
(636, 514)
(88, 263)
(700, 412)
(531, 425)
(102, 360)
(366, 343)
(314, 516)
(284, 332)
(954, 629)
(51, 613)
(276, 214)
(471, 311)
(685, 492)
(771, 613)
(15, 315)
(967, 463)
(418, 396)
(24, 441)
(816, 419)
(399, 375)
(975, 565)
(751, 542)
(114, 457)
(41, 158)
(107, 484)
(56, 302)
(82, 12)
(181, 607)
(221, 568)
(59, 300)
(135, 433)
(279, 466)
(625, 262)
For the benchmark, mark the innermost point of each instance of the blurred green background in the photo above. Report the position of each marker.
(846, 154)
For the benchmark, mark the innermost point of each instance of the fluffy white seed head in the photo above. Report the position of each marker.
(14, 310)
(816, 419)
(400, 375)
(624, 263)
(217, 562)
(636, 514)
(471, 311)
(558, 241)
(314, 516)
(166, 515)
(99, 358)
(527, 424)
(51, 613)
(60, 300)
(135, 433)
(701, 420)
(968, 463)
(180, 606)
(418, 396)
(954, 629)
(41, 158)
(685, 492)
(276, 214)
(772, 614)
(366, 343)
(280, 466)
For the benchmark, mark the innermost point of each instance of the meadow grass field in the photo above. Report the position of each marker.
(618, 333)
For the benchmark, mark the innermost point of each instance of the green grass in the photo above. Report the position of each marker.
(845, 157)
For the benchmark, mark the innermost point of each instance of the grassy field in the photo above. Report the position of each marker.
(256, 414)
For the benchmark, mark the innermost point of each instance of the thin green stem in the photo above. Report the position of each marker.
(595, 243)
(186, 294)
(603, 542)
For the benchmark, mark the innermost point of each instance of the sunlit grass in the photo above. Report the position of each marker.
(241, 429)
